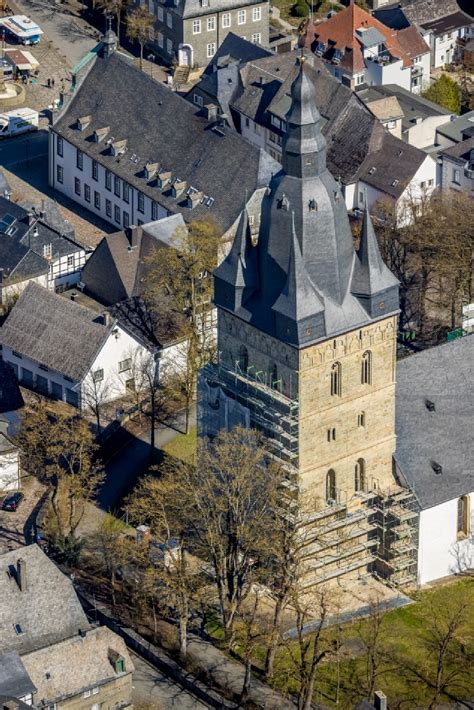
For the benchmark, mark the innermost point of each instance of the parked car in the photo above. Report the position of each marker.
(12, 501)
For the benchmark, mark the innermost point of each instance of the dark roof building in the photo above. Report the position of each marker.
(303, 281)
(423, 13)
(165, 150)
(434, 415)
(14, 679)
(39, 605)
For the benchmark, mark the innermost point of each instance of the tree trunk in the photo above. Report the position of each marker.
(183, 636)
(273, 646)
(118, 16)
(247, 681)
(141, 56)
(112, 588)
(97, 418)
(152, 424)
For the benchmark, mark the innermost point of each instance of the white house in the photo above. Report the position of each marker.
(434, 416)
(9, 460)
(457, 167)
(66, 351)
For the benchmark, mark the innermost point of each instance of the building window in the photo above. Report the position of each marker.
(108, 180)
(359, 79)
(331, 434)
(108, 208)
(79, 159)
(126, 219)
(336, 376)
(257, 14)
(97, 200)
(47, 250)
(331, 486)
(463, 517)
(211, 50)
(117, 186)
(161, 40)
(77, 186)
(86, 694)
(59, 146)
(95, 170)
(196, 27)
(160, 13)
(125, 365)
(366, 374)
(169, 20)
(117, 214)
(97, 376)
(95, 691)
(359, 476)
(126, 192)
(70, 261)
(141, 202)
(241, 17)
(243, 358)
(211, 24)
(59, 174)
(361, 419)
(87, 192)
(275, 383)
(456, 176)
(169, 46)
(257, 38)
(198, 100)
(226, 19)
(154, 210)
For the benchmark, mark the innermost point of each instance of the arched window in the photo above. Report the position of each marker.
(463, 517)
(367, 368)
(330, 485)
(336, 376)
(243, 358)
(274, 381)
(361, 419)
(359, 476)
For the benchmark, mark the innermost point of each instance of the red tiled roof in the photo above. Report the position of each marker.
(340, 32)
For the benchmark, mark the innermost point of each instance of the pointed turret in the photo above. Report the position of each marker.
(304, 146)
(372, 282)
(299, 308)
(237, 277)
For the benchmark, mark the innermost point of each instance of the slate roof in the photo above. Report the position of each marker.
(22, 239)
(419, 13)
(48, 610)
(115, 271)
(352, 29)
(461, 151)
(303, 281)
(353, 134)
(55, 332)
(161, 127)
(195, 8)
(14, 679)
(443, 375)
(386, 109)
(453, 129)
(447, 24)
(77, 664)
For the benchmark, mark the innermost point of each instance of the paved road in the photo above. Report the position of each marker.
(152, 689)
(72, 35)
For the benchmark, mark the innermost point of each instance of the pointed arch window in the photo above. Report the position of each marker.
(243, 358)
(331, 486)
(366, 375)
(336, 379)
(463, 517)
(359, 476)
(274, 381)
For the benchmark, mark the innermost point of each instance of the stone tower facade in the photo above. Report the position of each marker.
(307, 340)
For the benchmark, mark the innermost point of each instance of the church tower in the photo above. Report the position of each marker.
(307, 338)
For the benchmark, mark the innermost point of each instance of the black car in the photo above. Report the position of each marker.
(12, 501)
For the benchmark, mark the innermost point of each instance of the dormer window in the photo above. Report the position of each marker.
(312, 205)
(118, 147)
(83, 122)
(48, 250)
(150, 170)
(163, 177)
(178, 187)
(284, 203)
(100, 133)
(194, 197)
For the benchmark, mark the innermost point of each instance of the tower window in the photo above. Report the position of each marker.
(332, 434)
(274, 381)
(366, 374)
(359, 476)
(336, 375)
(331, 486)
(361, 419)
(244, 358)
(463, 517)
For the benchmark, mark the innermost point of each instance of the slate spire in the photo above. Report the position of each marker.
(304, 146)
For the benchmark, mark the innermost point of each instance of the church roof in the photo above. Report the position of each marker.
(304, 253)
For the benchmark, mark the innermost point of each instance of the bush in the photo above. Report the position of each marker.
(446, 93)
(301, 9)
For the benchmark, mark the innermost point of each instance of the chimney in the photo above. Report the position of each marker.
(106, 318)
(133, 234)
(211, 112)
(380, 700)
(31, 217)
(73, 296)
(21, 574)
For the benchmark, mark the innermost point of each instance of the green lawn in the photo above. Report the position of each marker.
(405, 645)
(183, 446)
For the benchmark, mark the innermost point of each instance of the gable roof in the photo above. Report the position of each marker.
(353, 29)
(162, 128)
(422, 13)
(461, 151)
(47, 611)
(55, 332)
(14, 679)
(77, 664)
(443, 375)
(386, 108)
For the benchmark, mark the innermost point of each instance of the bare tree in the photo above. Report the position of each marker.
(370, 632)
(116, 550)
(95, 394)
(139, 24)
(114, 8)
